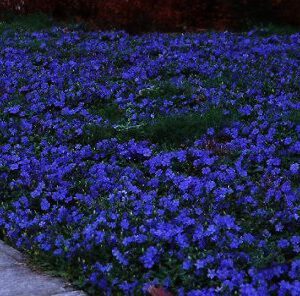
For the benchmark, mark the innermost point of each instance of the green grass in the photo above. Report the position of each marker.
(110, 111)
(271, 29)
(294, 116)
(31, 23)
(163, 89)
(168, 131)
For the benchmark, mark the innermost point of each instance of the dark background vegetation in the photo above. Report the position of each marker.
(164, 15)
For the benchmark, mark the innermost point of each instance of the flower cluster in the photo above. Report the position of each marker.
(215, 216)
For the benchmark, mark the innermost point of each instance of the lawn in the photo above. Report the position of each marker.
(159, 159)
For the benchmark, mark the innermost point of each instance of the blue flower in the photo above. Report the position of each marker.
(294, 168)
(45, 205)
(14, 110)
(150, 256)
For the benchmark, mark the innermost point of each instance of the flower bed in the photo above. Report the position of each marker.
(171, 160)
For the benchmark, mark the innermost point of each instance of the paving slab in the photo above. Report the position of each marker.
(18, 279)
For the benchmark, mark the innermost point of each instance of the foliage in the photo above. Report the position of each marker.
(31, 23)
(171, 131)
(161, 159)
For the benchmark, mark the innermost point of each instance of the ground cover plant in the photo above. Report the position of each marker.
(159, 159)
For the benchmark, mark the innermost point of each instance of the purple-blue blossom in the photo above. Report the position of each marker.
(218, 214)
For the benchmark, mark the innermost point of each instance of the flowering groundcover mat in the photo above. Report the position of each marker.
(159, 159)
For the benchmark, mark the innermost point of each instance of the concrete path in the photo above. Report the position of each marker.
(17, 279)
